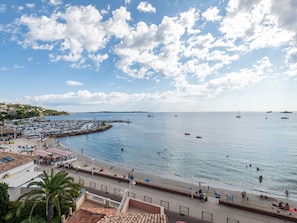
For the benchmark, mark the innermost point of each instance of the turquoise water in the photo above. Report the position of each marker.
(226, 156)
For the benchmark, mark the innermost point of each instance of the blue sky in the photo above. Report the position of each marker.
(170, 55)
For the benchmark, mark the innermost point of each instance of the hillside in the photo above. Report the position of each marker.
(21, 111)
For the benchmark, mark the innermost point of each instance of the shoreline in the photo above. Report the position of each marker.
(110, 169)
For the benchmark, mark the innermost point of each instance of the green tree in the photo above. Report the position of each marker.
(4, 201)
(56, 190)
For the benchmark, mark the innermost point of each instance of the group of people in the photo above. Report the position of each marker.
(284, 206)
(202, 196)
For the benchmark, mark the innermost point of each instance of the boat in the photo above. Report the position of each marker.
(286, 112)
(238, 115)
(269, 112)
(187, 134)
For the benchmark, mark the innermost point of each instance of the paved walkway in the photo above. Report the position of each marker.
(184, 205)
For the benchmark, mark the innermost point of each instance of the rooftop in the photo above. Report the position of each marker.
(94, 211)
(134, 217)
(15, 160)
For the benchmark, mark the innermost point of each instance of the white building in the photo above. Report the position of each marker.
(16, 170)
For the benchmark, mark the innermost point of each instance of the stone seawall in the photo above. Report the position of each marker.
(82, 132)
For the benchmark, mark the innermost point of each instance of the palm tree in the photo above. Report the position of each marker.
(55, 190)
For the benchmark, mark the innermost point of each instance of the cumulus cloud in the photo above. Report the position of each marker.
(286, 11)
(80, 35)
(211, 14)
(179, 48)
(146, 7)
(253, 24)
(73, 83)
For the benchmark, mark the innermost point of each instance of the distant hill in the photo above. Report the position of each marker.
(21, 111)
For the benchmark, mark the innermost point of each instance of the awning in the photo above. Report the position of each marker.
(44, 153)
(59, 152)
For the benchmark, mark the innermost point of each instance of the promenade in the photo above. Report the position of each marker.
(178, 206)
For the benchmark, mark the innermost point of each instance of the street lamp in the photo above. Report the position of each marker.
(192, 195)
(92, 167)
(131, 183)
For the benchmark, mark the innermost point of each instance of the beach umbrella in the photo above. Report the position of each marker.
(147, 180)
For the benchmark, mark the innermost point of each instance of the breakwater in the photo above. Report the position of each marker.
(81, 132)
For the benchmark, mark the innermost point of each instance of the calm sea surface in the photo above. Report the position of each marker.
(227, 155)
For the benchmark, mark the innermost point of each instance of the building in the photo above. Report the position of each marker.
(98, 209)
(16, 170)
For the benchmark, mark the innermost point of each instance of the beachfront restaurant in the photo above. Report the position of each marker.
(51, 156)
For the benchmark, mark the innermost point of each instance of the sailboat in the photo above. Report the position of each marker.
(238, 115)
(285, 117)
(285, 112)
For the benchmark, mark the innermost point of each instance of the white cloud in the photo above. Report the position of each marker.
(42, 29)
(31, 6)
(253, 25)
(3, 68)
(98, 59)
(286, 11)
(73, 83)
(291, 61)
(117, 25)
(18, 67)
(127, 1)
(56, 2)
(194, 58)
(146, 7)
(20, 8)
(2, 8)
(211, 14)
(103, 101)
(155, 49)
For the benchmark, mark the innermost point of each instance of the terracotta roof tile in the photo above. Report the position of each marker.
(85, 216)
(134, 217)
(18, 160)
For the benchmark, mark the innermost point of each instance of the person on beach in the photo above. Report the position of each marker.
(287, 194)
(243, 196)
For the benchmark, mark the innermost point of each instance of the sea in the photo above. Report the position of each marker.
(209, 148)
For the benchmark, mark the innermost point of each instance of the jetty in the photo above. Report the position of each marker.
(81, 132)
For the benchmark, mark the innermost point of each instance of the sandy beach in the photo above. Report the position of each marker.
(86, 163)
